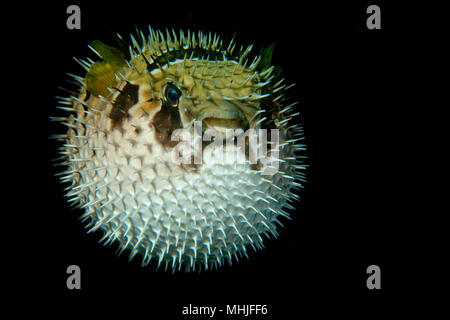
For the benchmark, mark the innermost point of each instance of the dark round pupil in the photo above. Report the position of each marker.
(172, 94)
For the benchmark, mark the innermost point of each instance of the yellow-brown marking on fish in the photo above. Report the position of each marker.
(127, 98)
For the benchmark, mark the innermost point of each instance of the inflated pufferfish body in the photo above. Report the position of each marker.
(123, 152)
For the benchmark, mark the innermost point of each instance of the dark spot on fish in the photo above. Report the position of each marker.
(165, 123)
(256, 166)
(137, 130)
(127, 98)
(191, 167)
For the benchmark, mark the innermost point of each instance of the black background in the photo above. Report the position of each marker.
(358, 103)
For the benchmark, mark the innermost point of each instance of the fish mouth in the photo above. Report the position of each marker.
(223, 118)
(221, 124)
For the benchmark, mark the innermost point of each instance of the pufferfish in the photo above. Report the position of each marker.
(122, 158)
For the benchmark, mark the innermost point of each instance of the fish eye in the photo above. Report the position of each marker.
(172, 94)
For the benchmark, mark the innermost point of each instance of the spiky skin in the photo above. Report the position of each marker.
(119, 153)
